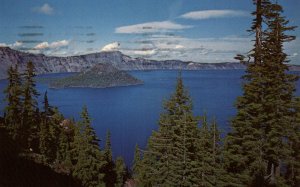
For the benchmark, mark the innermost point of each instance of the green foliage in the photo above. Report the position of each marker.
(136, 166)
(120, 172)
(110, 176)
(179, 153)
(209, 155)
(205, 158)
(29, 116)
(63, 152)
(107, 149)
(169, 159)
(293, 161)
(279, 94)
(49, 131)
(88, 158)
(22, 113)
(55, 141)
(256, 151)
(13, 108)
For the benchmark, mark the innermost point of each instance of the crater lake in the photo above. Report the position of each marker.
(131, 113)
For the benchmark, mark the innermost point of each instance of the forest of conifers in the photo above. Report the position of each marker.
(39, 147)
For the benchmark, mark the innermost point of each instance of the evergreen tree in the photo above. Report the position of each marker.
(217, 154)
(109, 169)
(255, 149)
(244, 144)
(205, 158)
(55, 129)
(107, 149)
(13, 109)
(280, 87)
(44, 135)
(64, 159)
(88, 157)
(120, 172)
(66, 138)
(169, 159)
(293, 161)
(209, 155)
(63, 153)
(47, 108)
(136, 166)
(76, 144)
(29, 124)
(49, 131)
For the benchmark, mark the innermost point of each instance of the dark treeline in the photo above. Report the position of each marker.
(262, 148)
(52, 142)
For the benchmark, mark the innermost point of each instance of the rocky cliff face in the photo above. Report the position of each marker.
(51, 64)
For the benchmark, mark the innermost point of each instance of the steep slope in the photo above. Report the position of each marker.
(99, 76)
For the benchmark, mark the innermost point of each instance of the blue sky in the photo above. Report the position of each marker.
(192, 30)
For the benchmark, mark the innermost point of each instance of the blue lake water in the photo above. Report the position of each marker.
(131, 113)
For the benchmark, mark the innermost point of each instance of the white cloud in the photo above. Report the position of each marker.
(14, 45)
(53, 45)
(151, 27)
(17, 44)
(144, 52)
(209, 50)
(111, 47)
(44, 9)
(42, 45)
(179, 46)
(207, 14)
(59, 44)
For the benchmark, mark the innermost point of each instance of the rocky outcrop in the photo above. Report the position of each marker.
(51, 64)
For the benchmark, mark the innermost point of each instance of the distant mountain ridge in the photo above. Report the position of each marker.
(52, 64)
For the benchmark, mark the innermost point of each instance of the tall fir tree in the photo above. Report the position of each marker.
(107, 148)
(29, 119)
(205, 159)
(13, 108)
(252, 156)
(49, 130)
(44, 134)
(209, 154)
(279, 93)
(56, 119)
(64, 154)
(217, 155)
(293, 161)
(120, 172)
(136, 165)
(245, 143)
(169, 159)
(89, 160)
(109, 168)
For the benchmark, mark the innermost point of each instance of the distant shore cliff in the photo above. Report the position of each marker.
(51, 64)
